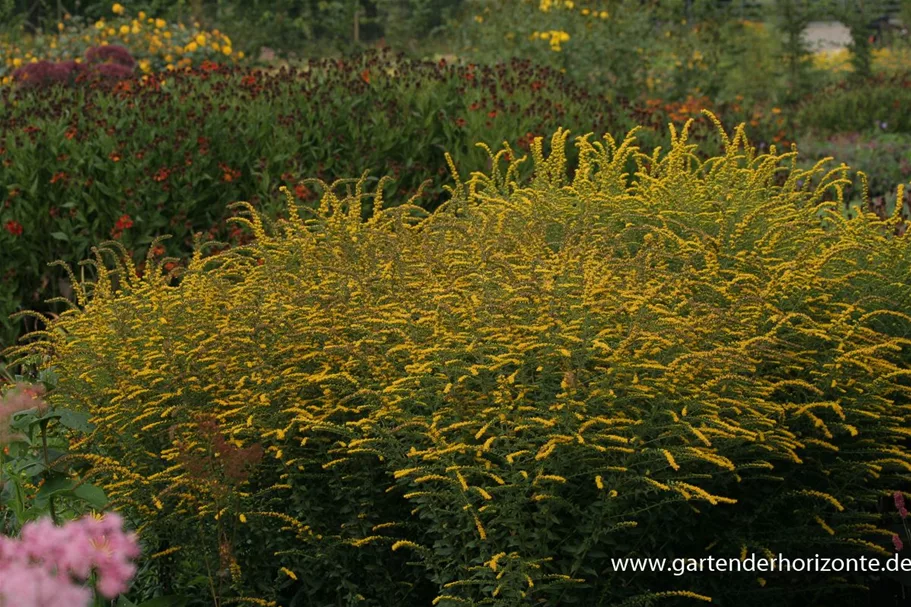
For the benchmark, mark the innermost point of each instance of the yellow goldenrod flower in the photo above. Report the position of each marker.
(117, 9)
(289, 573)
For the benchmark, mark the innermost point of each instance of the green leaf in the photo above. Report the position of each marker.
(164, 601)
(54, 485)
(60, 236)
(91, 494)
(75, 420)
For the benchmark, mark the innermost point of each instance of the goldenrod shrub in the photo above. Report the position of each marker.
(483, 406)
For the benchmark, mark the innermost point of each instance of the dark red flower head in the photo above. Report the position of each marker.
(110, 53)
(14, 227)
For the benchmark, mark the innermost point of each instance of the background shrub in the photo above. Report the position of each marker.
(873, 106)
(160, 153)
(485, 405)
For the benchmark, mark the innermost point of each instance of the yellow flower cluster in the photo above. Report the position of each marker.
(887, 60)
(547, 5)
(156, 44)
(556, 38)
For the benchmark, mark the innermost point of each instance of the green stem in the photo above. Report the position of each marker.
(47, 467)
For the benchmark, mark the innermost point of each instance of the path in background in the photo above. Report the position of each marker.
(827, 36)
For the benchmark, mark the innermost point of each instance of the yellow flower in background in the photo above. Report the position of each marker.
(200, 39)
(585, 11)
(569, 4)
(240, 54)
(603, 14)
(17, 62)
(117, 9)
(142, 15)
(216, 47)
(60, 27)
(226, 50)
(124, 30)
(99, 25)
(192, 47)
(111, 31)
(479, 18)
(160, 23)
(145, 65)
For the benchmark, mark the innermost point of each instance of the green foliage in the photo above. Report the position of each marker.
(78, 166)
(36, 478)
(794, 16)
(483, 406)
(878, 105)
(886, 158)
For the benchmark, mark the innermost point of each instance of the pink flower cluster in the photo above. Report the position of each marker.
(899, 499)
(20, 397)
(47, 566)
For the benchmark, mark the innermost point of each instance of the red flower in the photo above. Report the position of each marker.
(365, 76)
(897, 542)
(124, 223)
(460, 122)
(474, 106)
(302, 191)
(229, 174)
(492, 114)
(14, 227)
(114, 156)
(70, 132)
(162, 174)
(60, 176)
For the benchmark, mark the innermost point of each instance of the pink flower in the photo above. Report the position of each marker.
(21, 397)
(48, 566)
(897, 542)
(899, 499)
